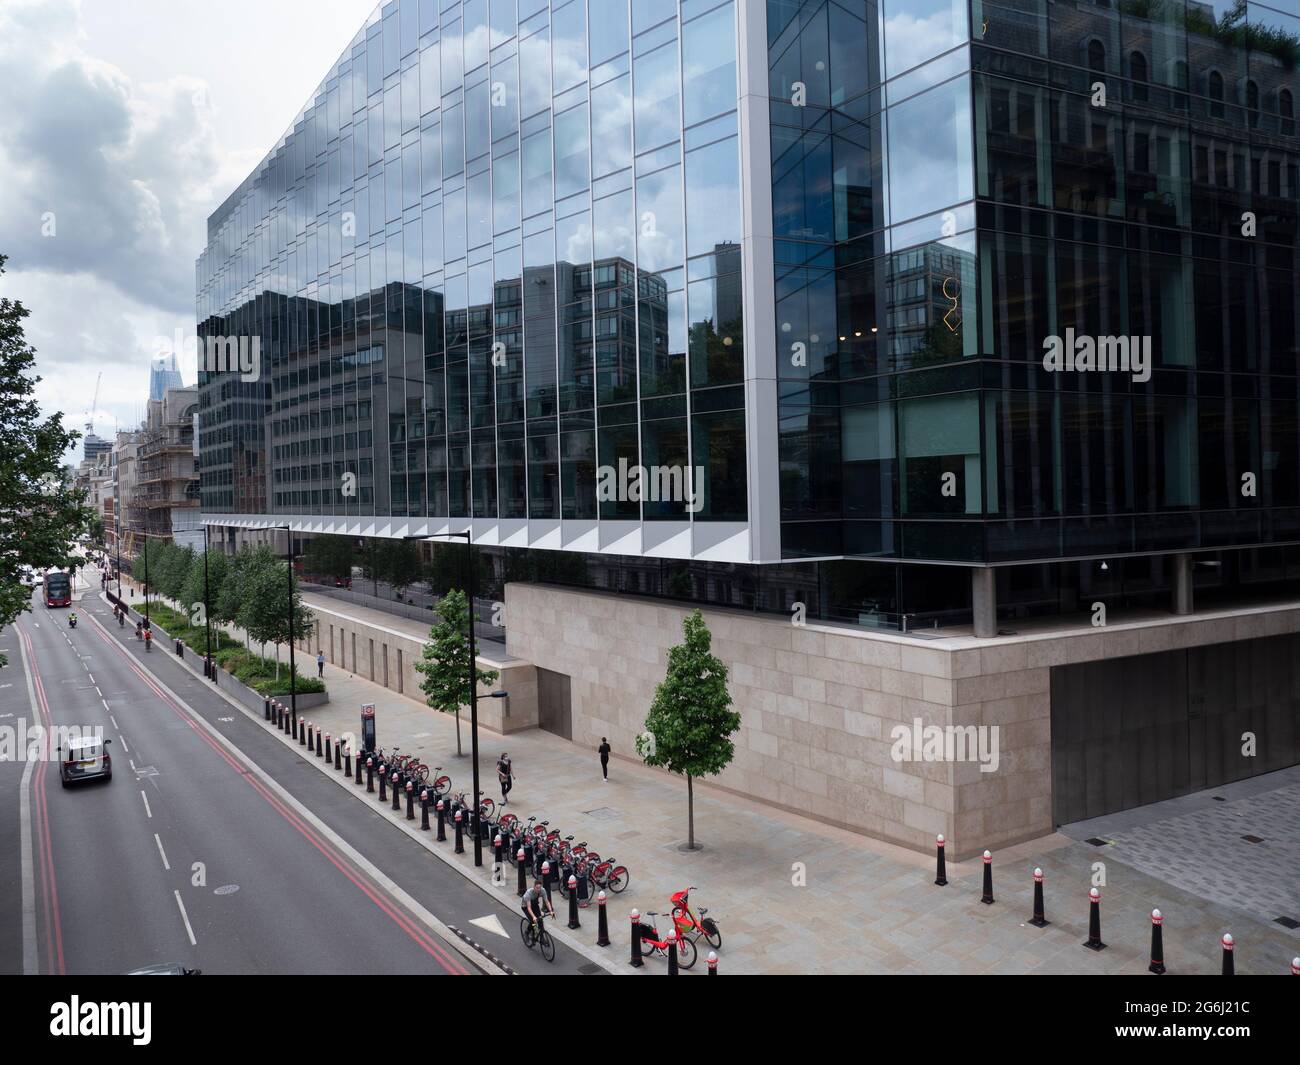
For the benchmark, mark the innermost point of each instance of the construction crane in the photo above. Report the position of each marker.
(90, 414)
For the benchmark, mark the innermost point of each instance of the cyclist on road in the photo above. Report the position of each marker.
(535, 902)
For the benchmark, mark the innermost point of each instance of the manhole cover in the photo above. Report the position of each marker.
(590, 969)
(602, 813)
(1287, 922)
(1252, 839)
(1218, 798)
(1097, 842)
(226, 889)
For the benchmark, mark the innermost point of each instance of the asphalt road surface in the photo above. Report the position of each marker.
(214, 846)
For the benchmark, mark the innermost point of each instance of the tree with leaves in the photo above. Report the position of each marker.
(265, 611)
(236, 586)
(445, 662)
(40, 514)
(689, 726)
(192, 597)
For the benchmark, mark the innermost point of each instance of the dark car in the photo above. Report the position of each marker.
(86, 758)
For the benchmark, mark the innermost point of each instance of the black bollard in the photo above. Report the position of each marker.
(284, 718)
(602, 921)
(383, 776)
(636, 940)
(1295, 966)
(497, 844)
(546, 878)
(672, 956)
(460, 835)
(410, 801)
(319, 752)
(1228, 968)
(329, 754)
(397, 792)
(304, 727)
(573, 902)
(523, 870)
(941, 867)
(442, 824)
(713, 964)
(988, 879)
(266, 706)
(1038, 920)
(1157, 965)
(338, 758)
(424, 810)
(1094, 921)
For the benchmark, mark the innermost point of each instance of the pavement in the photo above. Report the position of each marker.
(792, 895)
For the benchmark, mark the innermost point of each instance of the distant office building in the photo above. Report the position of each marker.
(164, 373)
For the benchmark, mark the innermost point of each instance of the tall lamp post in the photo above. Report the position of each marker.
(293, 671)
(473, 686)
(117, 524)
(144, 550)
(207, 608)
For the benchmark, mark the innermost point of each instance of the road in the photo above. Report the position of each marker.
(215, 845)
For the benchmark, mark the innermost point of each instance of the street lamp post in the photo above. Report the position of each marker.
(207, 608)
(473, 689)
(145, 551)
(117, 523)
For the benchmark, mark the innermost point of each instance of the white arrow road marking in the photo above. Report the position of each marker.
(491, 923)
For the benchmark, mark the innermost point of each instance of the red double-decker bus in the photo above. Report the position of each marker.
(58, 589)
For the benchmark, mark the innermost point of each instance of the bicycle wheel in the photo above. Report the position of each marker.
(526, 932)
(441, 786)
(420, 773)
(711, 933)
(618, 879)
(486, 811)
(547, 944)
(686, 953)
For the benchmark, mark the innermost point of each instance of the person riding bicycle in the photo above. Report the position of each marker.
(534, 902)
(139, 630)
(148, 638)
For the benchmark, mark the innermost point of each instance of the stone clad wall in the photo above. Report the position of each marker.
(817, 706)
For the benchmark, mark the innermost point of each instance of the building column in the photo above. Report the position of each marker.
(984, 601)
(1182, 583)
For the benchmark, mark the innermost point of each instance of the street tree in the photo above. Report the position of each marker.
(689, 726)
(445, 662)
(40, 514)
(192, 597)
(265, 612)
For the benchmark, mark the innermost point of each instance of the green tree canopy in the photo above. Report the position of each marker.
(689, 726)
(191, 595)
(40, 515)
(264, 614)
(445, 662)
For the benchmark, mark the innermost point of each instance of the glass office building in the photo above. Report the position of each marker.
(813, 249)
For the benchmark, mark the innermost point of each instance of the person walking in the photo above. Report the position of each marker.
(505, 774)
(320, 663)
(604, 757)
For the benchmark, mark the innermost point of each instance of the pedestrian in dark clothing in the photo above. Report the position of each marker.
(604, 757)
(505, 774)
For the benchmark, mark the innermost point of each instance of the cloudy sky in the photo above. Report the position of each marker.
(124, 124)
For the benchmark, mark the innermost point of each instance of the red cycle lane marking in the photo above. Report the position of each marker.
(49, 883)
(322, 845)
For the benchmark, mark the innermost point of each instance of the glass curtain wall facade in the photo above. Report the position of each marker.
(499, 248)
(953, 185)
